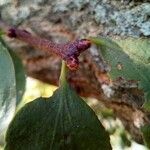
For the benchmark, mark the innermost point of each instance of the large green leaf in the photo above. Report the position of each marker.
(139, 51)
(128, 59)
(146, 135)
(19, 75)
(12, 85)
(7, 89)
(61, 122)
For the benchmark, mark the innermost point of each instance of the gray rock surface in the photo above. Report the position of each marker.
(108, 17)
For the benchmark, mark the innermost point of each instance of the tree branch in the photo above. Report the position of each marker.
(68, 51)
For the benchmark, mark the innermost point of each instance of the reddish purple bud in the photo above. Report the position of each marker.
(72, 52)
(72, 63)
(77, 47)
(12, 33)
(83, 45)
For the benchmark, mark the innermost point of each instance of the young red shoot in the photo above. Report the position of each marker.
(69, 52)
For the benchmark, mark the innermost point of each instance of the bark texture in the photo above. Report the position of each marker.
(65, 20)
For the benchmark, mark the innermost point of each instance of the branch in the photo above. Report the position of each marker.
(69, 52)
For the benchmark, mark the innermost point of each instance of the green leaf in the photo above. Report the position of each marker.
(139, 51)
(61, 122)
(125, 141)
(19, 75)
(146, 135)
(12, 85)
(1, 32)
(129, 59)
(7, 89)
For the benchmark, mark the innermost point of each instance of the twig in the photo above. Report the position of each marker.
(69, 52)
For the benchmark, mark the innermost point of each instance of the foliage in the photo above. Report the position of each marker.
(12, 79)
(146, 134)
(7, 87)
(129, 59)
(63, 121)
(19, 76)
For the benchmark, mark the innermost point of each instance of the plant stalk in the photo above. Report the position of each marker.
(63, 74)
